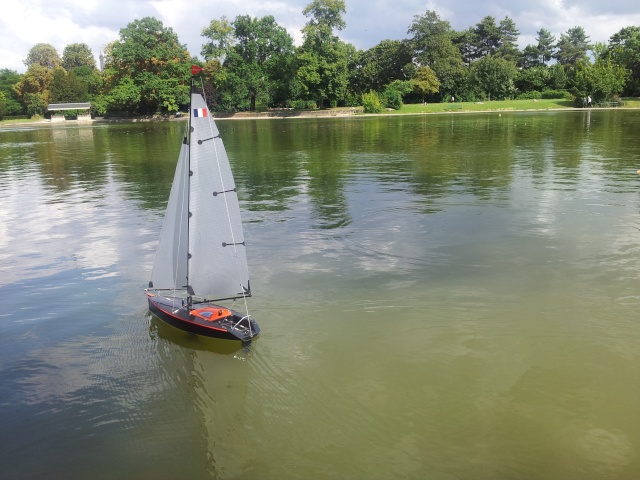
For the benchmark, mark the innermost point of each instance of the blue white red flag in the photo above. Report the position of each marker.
(200, 112)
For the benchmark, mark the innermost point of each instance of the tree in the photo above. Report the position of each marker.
(572, 47)
(151, 56)
(546, 45)
(495, 76)
(9, 78)
(44, 55)
(35, 103)
(221, 39)
(35, 81)
(488, 37)
(125, 96)
(77, 55)
(322, 58)
(539, 54)
(624, 50)
(425, 82)
(530, 57)
(508, 44)
(466, 42)
(371, 102)
(380, 65)
(394, 92)
(260, 56)
(558, 78)
(435, 47)
(67, 87)
(432, 40)
(533, 79)
(326, 13)
(602, 80)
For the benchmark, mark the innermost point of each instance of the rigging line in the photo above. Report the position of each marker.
(226, 203)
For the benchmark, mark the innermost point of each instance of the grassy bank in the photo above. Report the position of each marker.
(500, 105)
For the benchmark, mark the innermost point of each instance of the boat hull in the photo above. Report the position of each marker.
(205, 319)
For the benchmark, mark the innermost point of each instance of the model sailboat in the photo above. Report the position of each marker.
(201, 256)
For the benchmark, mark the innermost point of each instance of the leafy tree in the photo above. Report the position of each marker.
(394, 92)
(534, 79)
(35, 81)
(380, 65)
(572, 47)
(125, 96)
(466, 42)
(624, 50)
(151, 56)
(326, 13)
(215, 76)
(371, 103)
(221, 38)
(9, 78)
(322, 58)
(91, 77)
(36, 103)
(432, 40)
(3, 105)
(261, 56)
(602, 80)
(495, 76)
(67, 87)
(558, 78)
(77, 55)
(44, 55)
(435, 47)
(530, 57)
(425, 82)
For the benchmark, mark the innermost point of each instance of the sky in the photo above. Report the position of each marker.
(25, 23)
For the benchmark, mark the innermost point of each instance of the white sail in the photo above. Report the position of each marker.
(217, 258)
(170, 264)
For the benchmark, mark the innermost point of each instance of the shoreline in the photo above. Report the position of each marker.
(278, 114)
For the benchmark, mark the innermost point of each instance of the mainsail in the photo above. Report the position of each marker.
(202, 243)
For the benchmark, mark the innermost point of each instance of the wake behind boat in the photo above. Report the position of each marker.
(201, 258)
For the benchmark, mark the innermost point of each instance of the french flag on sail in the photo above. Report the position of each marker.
(200, 112)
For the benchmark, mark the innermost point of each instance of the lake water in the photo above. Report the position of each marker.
(446, 297)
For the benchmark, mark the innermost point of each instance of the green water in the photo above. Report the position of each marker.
(445, 297)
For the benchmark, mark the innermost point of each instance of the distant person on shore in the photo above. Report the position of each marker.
(453, 99)
(589, 101)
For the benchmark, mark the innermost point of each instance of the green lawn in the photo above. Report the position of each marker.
(501, 105)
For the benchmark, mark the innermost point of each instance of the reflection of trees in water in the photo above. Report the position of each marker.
(284, 164)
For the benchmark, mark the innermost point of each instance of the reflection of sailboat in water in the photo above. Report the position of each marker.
(160, 330)
(201, 254)
(216, 383)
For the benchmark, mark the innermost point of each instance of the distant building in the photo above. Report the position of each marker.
(61, 107)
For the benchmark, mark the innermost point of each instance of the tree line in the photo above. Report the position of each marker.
(252, 63)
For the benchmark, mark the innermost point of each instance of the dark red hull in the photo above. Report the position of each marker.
(231, 326)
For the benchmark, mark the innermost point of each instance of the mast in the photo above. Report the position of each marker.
(195, 70)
